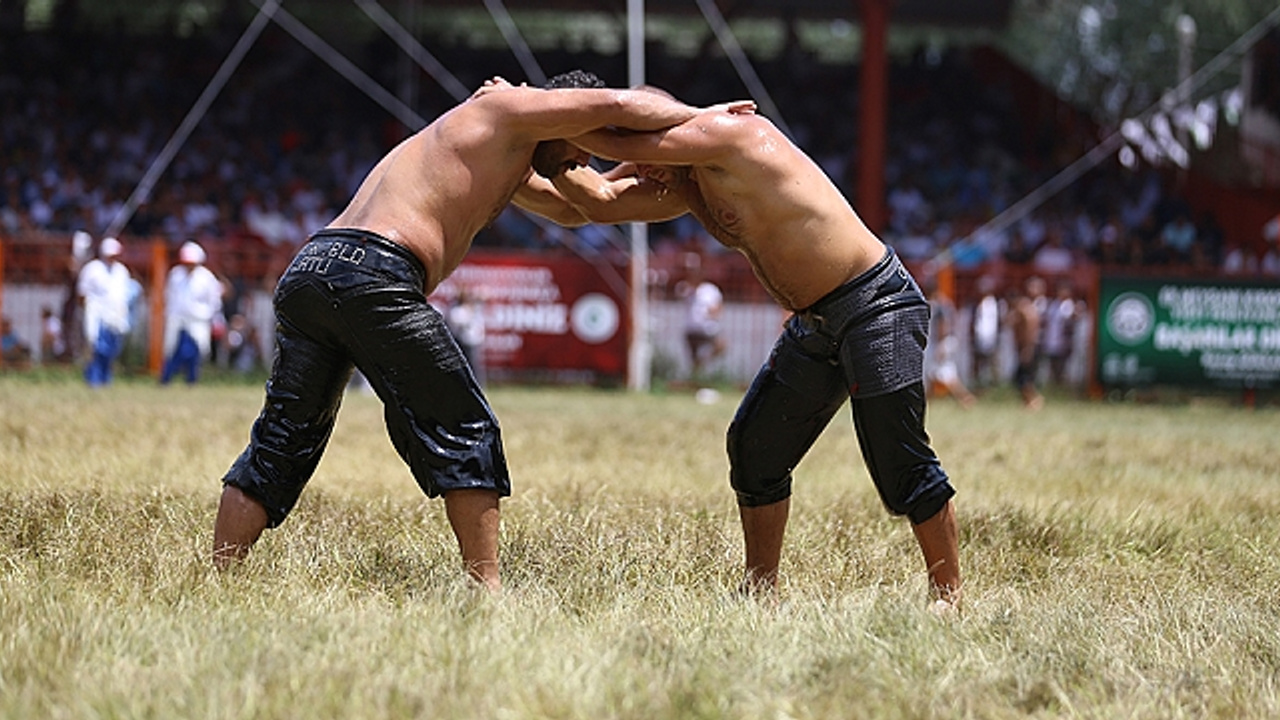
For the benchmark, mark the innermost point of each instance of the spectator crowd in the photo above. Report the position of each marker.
(284, 144)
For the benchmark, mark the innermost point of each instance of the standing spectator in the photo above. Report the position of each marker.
(192, 302)
(53, 344)
(242, 350)
(702, 320)
(104, 286)
(1060, 319)
(985, 341)
(940, 365)
(1025, 320)
(466, 322)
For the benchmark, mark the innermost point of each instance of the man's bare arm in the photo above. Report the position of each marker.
(625, 198)
(701, 140)
(537, 195)
(546, 114)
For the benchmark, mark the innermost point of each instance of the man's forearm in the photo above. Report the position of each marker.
(611, 144)
(537, 195)
(608, 201)
(641, 110)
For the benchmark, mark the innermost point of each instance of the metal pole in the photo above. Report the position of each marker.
(347, 69)
(414, 49)
(143, 191)
(516, 42)
(640, 352)
(741, 63)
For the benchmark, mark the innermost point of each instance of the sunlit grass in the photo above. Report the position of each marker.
(1121, 561)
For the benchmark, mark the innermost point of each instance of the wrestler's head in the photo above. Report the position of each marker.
(669, 176)
(552, 157)
(574, 79)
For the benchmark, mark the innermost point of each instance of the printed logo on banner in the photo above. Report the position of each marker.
(594, 318)
(1131, 318)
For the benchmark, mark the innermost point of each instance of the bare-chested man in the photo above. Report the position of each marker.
(858, 330)
(355, 296)
(1025, 323)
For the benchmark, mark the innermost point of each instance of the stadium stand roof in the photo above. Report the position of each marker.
(943, 13)
(970, 13)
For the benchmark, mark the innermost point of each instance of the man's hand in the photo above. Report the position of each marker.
(735, 107)
(493, 84)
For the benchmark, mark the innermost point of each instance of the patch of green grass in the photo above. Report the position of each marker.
(1120, 562)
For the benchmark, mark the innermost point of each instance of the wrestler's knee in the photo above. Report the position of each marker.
(755, 491)
(917, 492)
(751, 476)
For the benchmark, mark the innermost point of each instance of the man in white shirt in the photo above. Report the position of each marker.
(192, 301)
(702, 323)
(104, 287)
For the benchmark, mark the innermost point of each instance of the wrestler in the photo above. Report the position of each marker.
(858, 330)
(355, 297)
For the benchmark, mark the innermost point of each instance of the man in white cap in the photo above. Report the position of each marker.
(104, 286)
(192, 301)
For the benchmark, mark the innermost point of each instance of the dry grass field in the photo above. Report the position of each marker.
(1121, 562)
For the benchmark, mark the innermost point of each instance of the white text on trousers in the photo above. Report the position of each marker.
(318, 259)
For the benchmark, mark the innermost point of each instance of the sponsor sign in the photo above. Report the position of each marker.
(1188, 332)
(545, 317)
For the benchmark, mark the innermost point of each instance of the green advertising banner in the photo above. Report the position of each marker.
(1163, 331)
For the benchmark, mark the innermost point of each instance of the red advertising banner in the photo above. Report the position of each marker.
(557, 318)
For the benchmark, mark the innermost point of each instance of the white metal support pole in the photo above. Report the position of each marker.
(266, 10)
(640, 353)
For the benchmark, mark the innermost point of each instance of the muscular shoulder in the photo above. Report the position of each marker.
(473, 121)
(744, 130)
(743, 140)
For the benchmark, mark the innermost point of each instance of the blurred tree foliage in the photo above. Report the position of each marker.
(1119, 56)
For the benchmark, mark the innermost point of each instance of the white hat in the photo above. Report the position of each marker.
(191, 252)
(110, 247)
(81, 245)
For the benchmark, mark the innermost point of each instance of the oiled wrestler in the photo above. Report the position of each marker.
(858, 330)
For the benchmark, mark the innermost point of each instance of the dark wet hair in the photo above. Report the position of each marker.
(547, 155)
(574, 79)
(548, 158)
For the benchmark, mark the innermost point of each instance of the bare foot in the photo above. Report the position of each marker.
(944, 609)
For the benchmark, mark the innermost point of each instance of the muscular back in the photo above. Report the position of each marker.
(438, 188)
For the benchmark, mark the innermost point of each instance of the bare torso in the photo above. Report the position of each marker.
(438, 188)
(1025, 323)
(773, 204)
